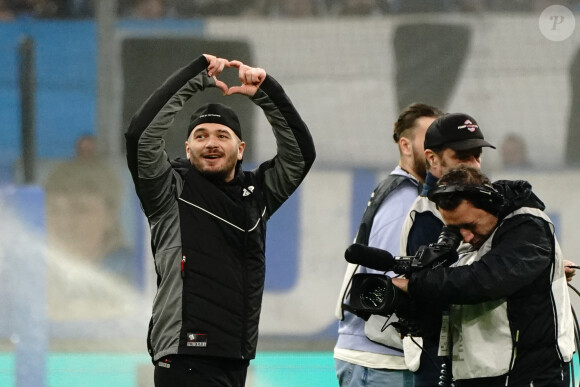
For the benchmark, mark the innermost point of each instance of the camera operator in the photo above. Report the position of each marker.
(451, 140)
(510, 315)
(359, 360)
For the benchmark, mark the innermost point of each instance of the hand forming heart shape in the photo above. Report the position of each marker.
(250, 77)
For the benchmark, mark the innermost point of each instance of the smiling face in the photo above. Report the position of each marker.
(475, 224)
(214, 150)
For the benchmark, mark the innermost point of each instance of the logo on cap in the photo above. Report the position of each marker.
(210, 115)
(468, 125)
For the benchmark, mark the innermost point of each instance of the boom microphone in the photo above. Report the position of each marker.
(370, 257)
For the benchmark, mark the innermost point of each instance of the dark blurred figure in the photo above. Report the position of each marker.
(514, 151)
(535, 6)
(202, 8)
(421, 6)
(7, 12)
(295, 8)
(81, 8)
(149, 9)
(83, 202)
(86, 147)
(91, 268)
(358, 7)
(48, 9)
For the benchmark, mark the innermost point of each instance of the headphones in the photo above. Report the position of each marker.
(482, 196)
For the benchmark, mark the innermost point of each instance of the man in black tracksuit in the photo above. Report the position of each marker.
(510, 317)
(208, 220)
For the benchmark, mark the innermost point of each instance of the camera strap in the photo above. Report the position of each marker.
(383, 189)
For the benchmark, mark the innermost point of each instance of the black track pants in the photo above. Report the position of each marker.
(197, 371)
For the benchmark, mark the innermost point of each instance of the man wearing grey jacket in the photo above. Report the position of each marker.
(207, 218)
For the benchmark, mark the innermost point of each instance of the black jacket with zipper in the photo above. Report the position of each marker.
(208, 239)
(510, 305)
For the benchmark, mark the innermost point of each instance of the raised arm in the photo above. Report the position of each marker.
(295, 151)
(146, 156)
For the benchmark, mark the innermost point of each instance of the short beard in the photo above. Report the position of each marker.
(420, 169)
(419, 165)
(215, 176)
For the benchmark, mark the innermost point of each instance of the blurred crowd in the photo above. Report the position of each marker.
(155, 9)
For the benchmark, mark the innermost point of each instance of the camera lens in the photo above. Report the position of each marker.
(373, 293)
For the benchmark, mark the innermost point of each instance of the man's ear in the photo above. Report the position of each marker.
(431, 157)
(241, 147)
(406, 146)
(187, 149)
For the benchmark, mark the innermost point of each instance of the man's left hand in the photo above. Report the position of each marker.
(569, 270)
(251, 78)
(401, 283)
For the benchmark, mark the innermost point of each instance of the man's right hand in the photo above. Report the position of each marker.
(216, 66)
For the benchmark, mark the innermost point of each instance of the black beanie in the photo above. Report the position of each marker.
(216, 113)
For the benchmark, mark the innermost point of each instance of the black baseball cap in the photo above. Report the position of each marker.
(215, 113)
(457, 131)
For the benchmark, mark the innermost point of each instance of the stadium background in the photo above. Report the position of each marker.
(349, 76)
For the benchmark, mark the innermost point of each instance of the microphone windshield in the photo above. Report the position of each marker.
(371, 257)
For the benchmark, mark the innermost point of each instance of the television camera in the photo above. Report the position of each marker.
(375, 293)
